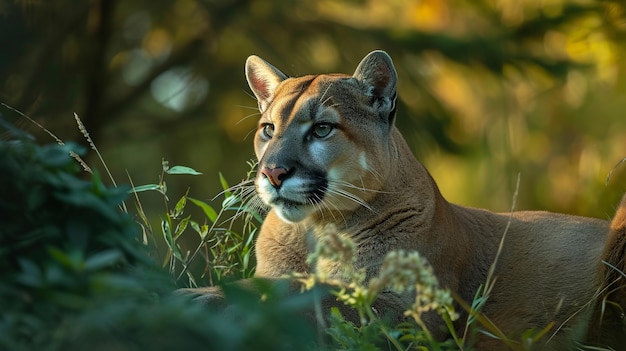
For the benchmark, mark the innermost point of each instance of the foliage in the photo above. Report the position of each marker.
(224, 248)
(64, 245)
(74, 272)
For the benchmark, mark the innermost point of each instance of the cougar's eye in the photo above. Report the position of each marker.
(268, 131)
(322, 130)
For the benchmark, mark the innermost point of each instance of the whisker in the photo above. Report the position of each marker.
(355, 198)
(250, 204)
(348, 195)
(248, 116)
(252, 131)
(360, 188)
(375, 173)
(250, 95)
(317, 202)
(256, 206)
(323, 103)
(362, 183)
(324, 94)
(248, 107)
(235, 188)
(332, 213)
(329, 202)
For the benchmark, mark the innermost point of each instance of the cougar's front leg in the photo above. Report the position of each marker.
(210, 296)
(215, 296)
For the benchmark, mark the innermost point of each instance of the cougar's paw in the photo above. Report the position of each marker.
(211, 296)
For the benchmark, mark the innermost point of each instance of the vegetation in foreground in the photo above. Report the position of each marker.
(77, 270)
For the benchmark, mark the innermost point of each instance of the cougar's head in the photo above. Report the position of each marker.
(323, 140)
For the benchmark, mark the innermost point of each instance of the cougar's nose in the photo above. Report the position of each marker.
(275, 175)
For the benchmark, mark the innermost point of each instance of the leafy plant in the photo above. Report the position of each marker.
(226, 244)
(64, 246)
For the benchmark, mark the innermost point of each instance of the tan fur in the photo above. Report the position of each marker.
(363, 180)
(609, 323)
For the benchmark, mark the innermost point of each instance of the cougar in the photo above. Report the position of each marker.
(330, 156)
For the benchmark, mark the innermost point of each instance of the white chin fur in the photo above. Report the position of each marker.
(287, 212)
(292, 214)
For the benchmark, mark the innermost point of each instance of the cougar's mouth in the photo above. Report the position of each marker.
(291, 211)
(305, 199)
(296, 210)
(284, 202)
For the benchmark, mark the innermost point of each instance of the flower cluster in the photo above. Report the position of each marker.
(406, 271)
(333, 257)
(333, 246)
(400, 272)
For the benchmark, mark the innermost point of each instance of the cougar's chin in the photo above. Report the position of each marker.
(292, 212)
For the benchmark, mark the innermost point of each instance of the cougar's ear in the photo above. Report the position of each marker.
(263, 79)
(377, 73)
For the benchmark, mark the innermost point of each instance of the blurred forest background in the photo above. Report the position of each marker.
(489, 89)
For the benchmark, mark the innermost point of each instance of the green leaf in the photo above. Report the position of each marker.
(225, 185)
(90, 201)
(251, 236)
(169, 240)
(180, 206)
(30, 275)
(103, 259)
(195, 226)
(182, 170)
(56, 156)
(180, 228)
(167, 232)
(230, 202)
(201, 230)
(72, 260)
(208, 210)
(118, 281)
(146, 187)
(233, 248)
